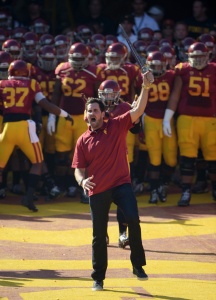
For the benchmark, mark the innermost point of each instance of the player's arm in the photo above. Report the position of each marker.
(57, 92)
(172, 105)
(55, 99)
(175, 94)
(50, 107)
(141, 103)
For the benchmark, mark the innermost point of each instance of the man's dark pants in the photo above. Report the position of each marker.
(123, 196)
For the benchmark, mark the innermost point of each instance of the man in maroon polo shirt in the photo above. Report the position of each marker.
(101, 168)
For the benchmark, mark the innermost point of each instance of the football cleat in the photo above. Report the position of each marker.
(123, 241)
(185, 198)
(162, 193)
(154, 197)
(72, 191)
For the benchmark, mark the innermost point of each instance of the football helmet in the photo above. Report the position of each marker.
(157, 63)
(157, 36)
(62, 44)
(109, 92)
(19, 68)
(187, 42)
(140, 47)
(208, 40)
(83, 34)
(30, 45)
(13, 47)
(39, 26)
(46, 39)
(47, 60)
(198, 55)
(99, 40)
(170, 56)
(151, 48)
(183, 51)
(18, 33)
(78, 56)
(110, 39)
(145, 34)
(115, 55)
(93, 53)
(165, 42)
(5, 60)
(4, 19)
(4, 34)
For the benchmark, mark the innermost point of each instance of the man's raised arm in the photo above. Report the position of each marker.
(141, 102)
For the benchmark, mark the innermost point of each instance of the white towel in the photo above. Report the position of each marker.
(32, 132)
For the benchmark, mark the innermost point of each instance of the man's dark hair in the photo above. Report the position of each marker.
(95, 100)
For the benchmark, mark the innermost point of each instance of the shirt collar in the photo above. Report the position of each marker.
(98, 130)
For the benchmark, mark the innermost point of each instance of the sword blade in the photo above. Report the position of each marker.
(134, 52)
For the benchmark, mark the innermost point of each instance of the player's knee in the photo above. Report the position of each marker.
(187, 165)
(63, 160)
(153, 168)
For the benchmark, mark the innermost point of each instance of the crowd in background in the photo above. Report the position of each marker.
(31, 31)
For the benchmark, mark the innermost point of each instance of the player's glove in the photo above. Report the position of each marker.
(167, 128)
(166, 122)
(51, 124)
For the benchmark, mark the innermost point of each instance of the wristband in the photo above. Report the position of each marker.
(145, 87)
(63, 113)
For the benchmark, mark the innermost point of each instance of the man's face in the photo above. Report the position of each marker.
(198, 9)
(95, 7)
(127, 27)
(180, 32)
(94, 116)
(139, 6)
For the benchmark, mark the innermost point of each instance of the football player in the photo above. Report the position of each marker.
(45, 76)
(193, 98)
(129, 78)
(30, 47)
(162, 150)
(18, 94)
(74, 79)
(109, 93)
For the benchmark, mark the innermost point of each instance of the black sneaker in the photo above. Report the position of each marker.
(140, 273)
(185, 198)
(162, 192)
(154, 197)
(200, 187)
(123, 241)
(29, 205)
(97, 285)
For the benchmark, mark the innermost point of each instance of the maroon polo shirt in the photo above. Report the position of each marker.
(104, 154)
